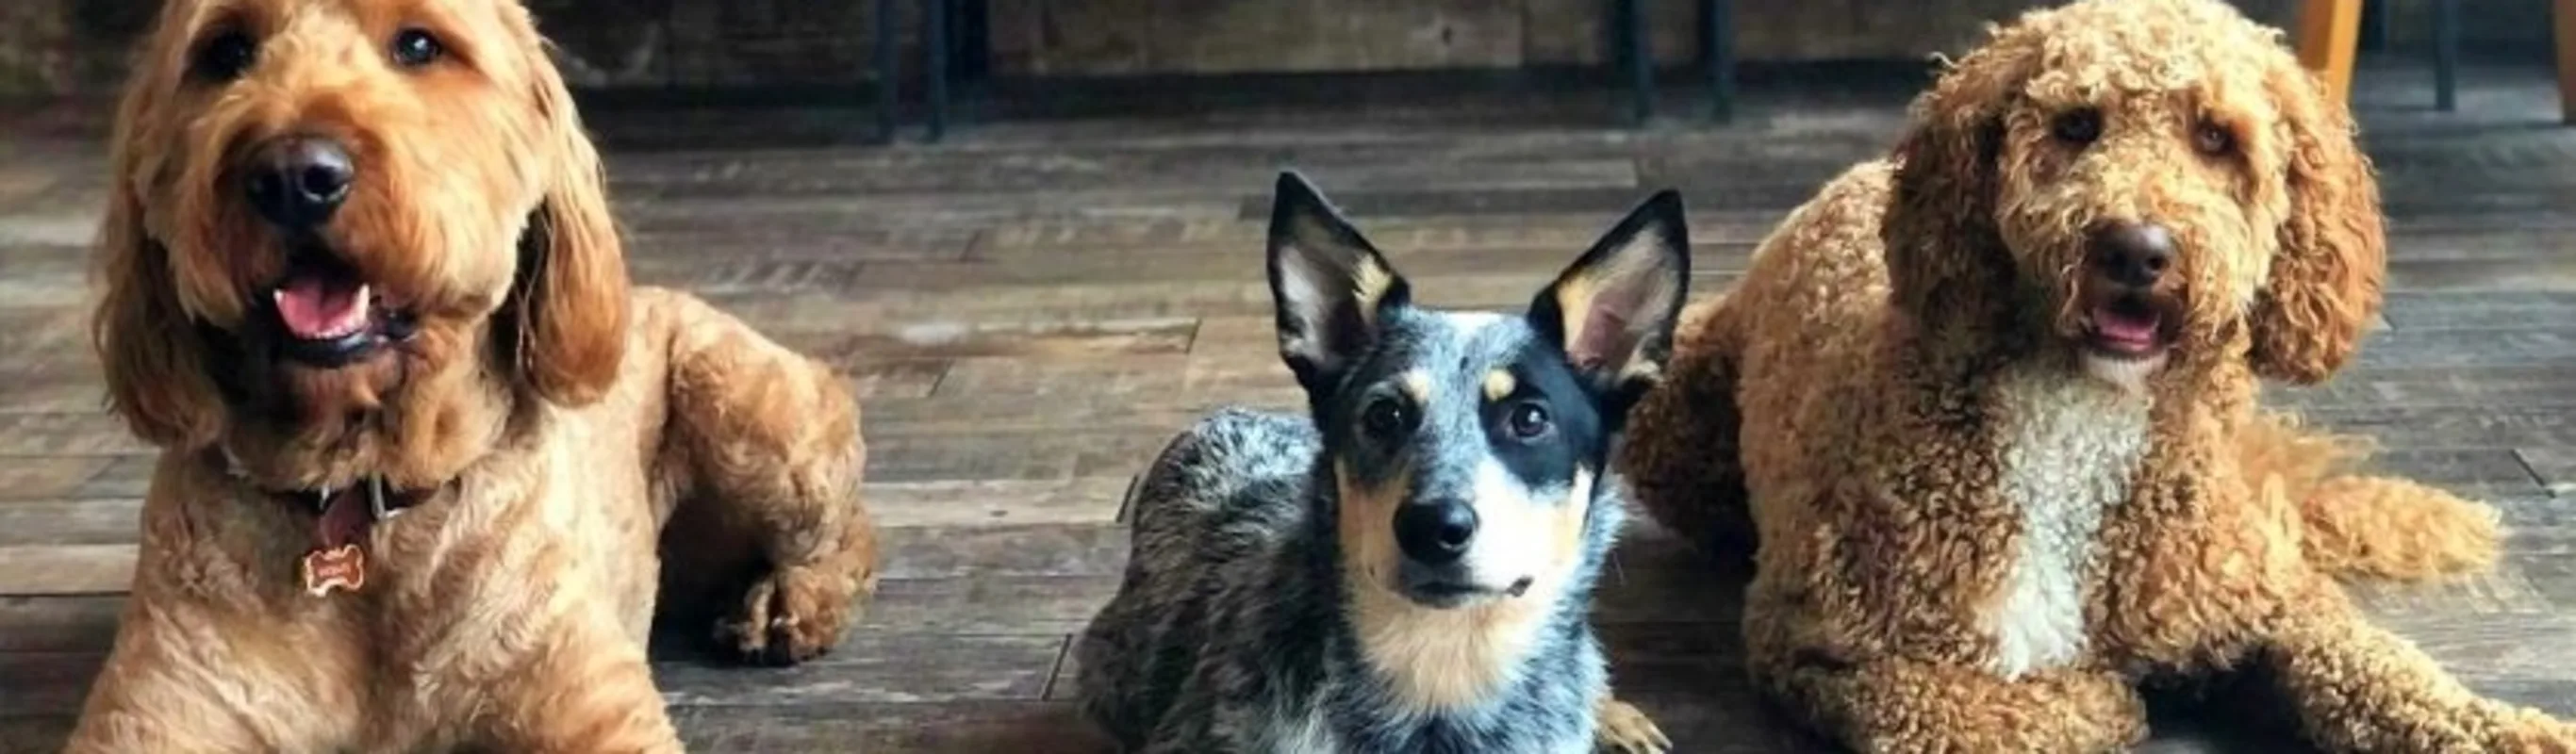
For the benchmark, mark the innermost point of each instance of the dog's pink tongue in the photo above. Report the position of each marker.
(2125, 328)
(316, 307)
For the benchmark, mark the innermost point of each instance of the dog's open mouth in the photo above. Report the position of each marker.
(330, 317)
(2127, 327)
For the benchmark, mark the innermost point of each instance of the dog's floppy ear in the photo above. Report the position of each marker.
(1331, 287)
(1945, 256)
(148, 345)
(2325, 280)
(571, 298)
(1612, 311)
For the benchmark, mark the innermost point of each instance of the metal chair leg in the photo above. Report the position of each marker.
(1717, 52)
(2446, 54)
(935, 42)
(888, 79)
(2562, 20)
(1638, 55)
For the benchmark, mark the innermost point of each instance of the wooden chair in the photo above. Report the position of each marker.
(2329, 33)
(2563, 22)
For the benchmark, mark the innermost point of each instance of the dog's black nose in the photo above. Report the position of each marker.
(297, 181)
(2133, 254)
(1435, 533)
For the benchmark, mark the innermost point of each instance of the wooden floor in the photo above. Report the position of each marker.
(1033, 307)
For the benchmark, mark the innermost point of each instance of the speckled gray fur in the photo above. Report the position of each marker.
(1228, 634)
(1233, 629)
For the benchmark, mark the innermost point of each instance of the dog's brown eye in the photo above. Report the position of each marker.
(1386, 418)
(414, 48)
(2078, 127)
(224, 57)
(1530, 420)
(2213, 140)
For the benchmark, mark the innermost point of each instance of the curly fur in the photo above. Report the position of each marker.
(549, 420)
(1968, 536)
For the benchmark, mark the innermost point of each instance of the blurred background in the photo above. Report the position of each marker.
(1005, 59)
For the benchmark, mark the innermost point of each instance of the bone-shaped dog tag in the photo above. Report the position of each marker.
(337, 561)
(343, 567)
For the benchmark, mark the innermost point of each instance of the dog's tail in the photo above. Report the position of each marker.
(2360, 524)
(1680, 453)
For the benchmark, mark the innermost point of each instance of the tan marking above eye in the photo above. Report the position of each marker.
(1416, 385)
(1499, 384)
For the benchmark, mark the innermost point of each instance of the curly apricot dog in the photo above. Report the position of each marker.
(359, 263)
(1988, 410)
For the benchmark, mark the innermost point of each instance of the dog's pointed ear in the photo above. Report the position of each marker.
(1612, 311)
(571, 296)
(2324, 283)
(1331, 287)
(148, 345)
(1945, 256)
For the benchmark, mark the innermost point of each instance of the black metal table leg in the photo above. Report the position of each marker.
(2446, 54)
(1639, 57)
(888, 79)
(1717, 50)
(935, 42)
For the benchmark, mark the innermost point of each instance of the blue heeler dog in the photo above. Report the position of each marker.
(1409, 569)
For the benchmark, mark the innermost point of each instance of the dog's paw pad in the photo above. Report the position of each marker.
(1626, 730)
(791, 616)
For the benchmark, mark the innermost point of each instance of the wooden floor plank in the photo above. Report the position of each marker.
(970, 726)
(46, 477)
(37, 523)
(66, 569)
(876, 668)
(2552, 384)
(2556, 467)
(981, 502)
(58, 624)
(87, 434)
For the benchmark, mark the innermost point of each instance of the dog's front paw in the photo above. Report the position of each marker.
(2542, 734)
(1626, 730)
(792, 615)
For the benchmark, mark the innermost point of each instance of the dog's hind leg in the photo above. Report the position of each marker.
(2391, 528)
(1680, 449)
(768, 457)
(2360, 525)
(2357, 687)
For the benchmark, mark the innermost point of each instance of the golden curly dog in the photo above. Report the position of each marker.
(420, 443)
(1989, 411)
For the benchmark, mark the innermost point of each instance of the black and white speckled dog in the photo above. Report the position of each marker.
(1410, 570)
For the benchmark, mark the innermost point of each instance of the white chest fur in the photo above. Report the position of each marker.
(2069, 445)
